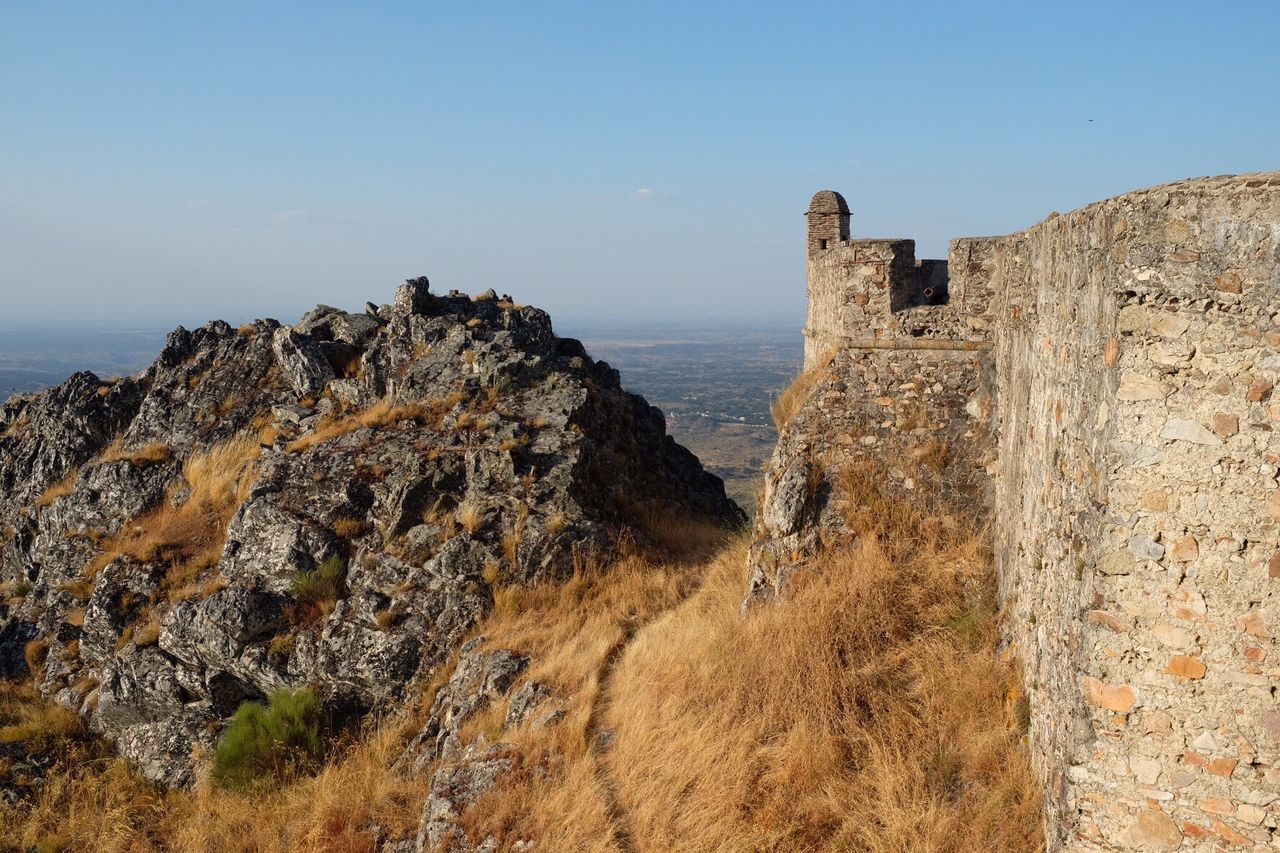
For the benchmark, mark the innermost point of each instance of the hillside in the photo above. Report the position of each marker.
(333, 504)
(428, 579)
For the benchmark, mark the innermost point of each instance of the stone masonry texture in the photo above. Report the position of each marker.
(1106, 380)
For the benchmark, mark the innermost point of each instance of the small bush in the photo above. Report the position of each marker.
(349, 528)
(21, 589)
(319, 588)
(265, 744)
(281, 648)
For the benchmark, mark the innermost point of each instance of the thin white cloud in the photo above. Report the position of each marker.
(647, 194)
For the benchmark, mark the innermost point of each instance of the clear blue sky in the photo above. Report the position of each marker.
(596, 159)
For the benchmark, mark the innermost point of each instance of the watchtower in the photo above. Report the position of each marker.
(828, 220)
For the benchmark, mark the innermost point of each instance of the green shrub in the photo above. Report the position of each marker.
(322, 584)
(22, 589)
(267, 743)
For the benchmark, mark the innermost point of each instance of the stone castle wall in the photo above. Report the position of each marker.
(1131, 349)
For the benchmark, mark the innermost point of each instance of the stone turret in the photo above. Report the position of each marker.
(828, 220)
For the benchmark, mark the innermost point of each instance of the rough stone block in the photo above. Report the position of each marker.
(1181, 429)
(1185, 666)
(1224, 425)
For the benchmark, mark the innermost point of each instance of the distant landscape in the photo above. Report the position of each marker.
(713, 382)
(715, 386)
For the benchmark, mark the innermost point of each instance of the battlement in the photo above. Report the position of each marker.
(875, 293)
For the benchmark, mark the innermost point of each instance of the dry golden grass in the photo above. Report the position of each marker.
(34, 654)
(62, 488)
(189, 536)
(470, 517)
(381, 414)
(865, 711)
(147, 634)
(148, 454)
(92, 801)
(573, 631)
(24, 717)
(800, 389)
(349, 528)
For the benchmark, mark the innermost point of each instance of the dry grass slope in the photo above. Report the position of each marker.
(91, 800)
(800, 389)
(868, 711)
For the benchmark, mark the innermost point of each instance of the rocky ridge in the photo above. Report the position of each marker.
(331, 504)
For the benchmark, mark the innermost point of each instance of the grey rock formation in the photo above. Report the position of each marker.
(454, 787)
(175, 528)
(480, 678)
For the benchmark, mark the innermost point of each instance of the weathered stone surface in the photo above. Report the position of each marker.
(1145, 548)
(1185, 666)
(1181, 429)
(454, 787)
(1118, 699)
(1171, 636)
(1170, 325)
(531, 696)
(480, 678)
(1135, 386)
(1224, 425)
(1185, 550)
(1154, 830)
(1117, 563)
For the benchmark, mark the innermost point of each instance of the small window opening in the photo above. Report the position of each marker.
(822, 244)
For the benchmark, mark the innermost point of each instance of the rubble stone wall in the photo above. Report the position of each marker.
(1136, 345)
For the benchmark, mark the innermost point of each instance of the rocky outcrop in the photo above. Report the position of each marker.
(480, 678)
(328, 505)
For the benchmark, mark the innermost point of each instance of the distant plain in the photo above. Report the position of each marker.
(714, 381)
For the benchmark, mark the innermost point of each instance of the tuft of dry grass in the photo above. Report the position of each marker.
(34, 654)
(799, 391)
(383, 413)
(347, 527)
(147, 634)
(26, 718)
(60, 489)
(189, 536)
(471, 517)
(148, 454)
